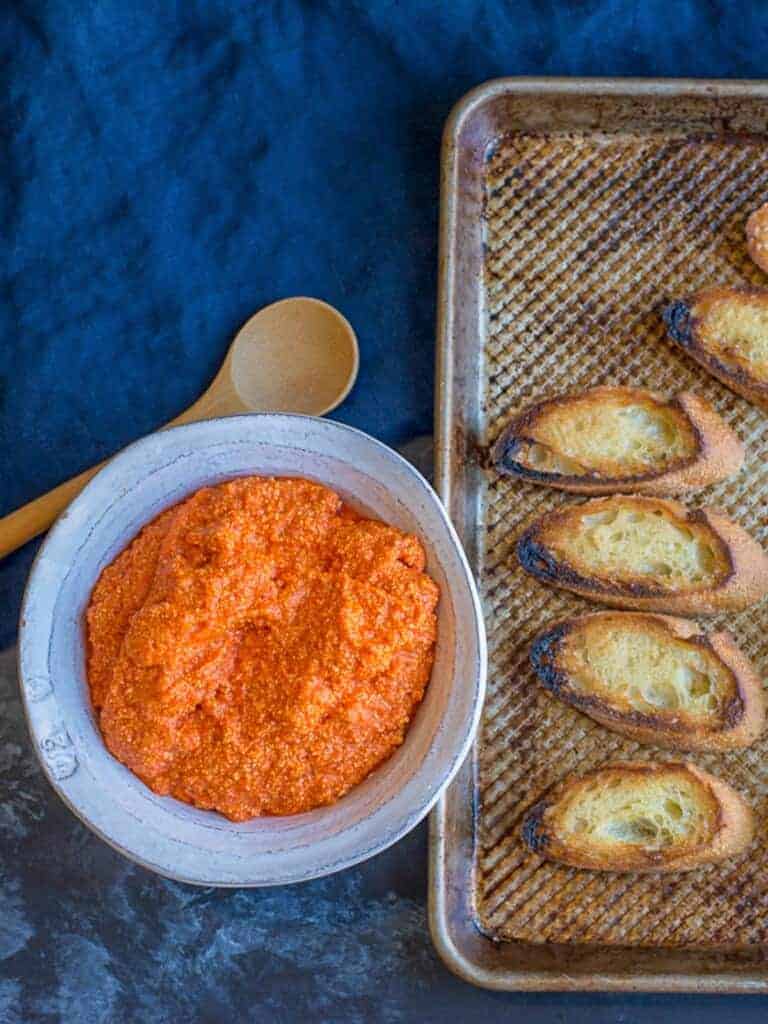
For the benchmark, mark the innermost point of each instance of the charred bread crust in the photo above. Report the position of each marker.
(719, 452)
(685, 329)
(745, 583)
(732, 835)
(535, 835)
(744, 715)
(545, 649)
(757, 237)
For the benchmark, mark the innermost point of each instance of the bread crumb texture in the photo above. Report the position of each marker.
(632, 541)
(652, 811)
(735, 330)
(648, 670)
(617, 437)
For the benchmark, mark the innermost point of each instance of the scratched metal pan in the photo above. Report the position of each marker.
(571, 210)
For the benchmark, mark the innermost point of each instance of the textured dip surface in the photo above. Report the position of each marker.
(260, 648)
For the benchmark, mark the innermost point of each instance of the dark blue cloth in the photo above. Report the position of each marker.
(171, 167)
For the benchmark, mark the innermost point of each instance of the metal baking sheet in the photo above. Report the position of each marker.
(571, 211)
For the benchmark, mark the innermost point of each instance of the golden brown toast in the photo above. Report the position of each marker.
(640, 816)
(647, 554)
(726, 330)
(653, 678)
(610, 439)
(757, 237)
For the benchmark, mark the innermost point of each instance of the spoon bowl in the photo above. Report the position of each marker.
(298, 355)
(276, 363)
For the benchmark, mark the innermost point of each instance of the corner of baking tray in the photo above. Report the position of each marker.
(468, 104)
(448, 949)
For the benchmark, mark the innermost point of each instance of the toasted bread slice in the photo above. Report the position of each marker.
(648, 554)
(653, 678)
(726, 330)
(757, 237)
(640, 816)
(610, 439)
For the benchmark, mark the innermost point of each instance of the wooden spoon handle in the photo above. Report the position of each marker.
(35, 518)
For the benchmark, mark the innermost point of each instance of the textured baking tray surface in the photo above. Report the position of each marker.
(586, 237)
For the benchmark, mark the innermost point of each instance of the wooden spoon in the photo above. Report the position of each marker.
(299, 355)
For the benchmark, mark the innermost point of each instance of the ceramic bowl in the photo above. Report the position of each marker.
(164, 834)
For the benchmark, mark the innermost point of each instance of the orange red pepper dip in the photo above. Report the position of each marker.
(260, 648)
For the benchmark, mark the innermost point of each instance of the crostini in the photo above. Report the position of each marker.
(640, 816)
(610, 439)
(757, 237)
(653, 678)
(726, 330)
(647, 554)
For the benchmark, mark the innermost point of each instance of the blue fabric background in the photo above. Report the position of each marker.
(168, 168)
